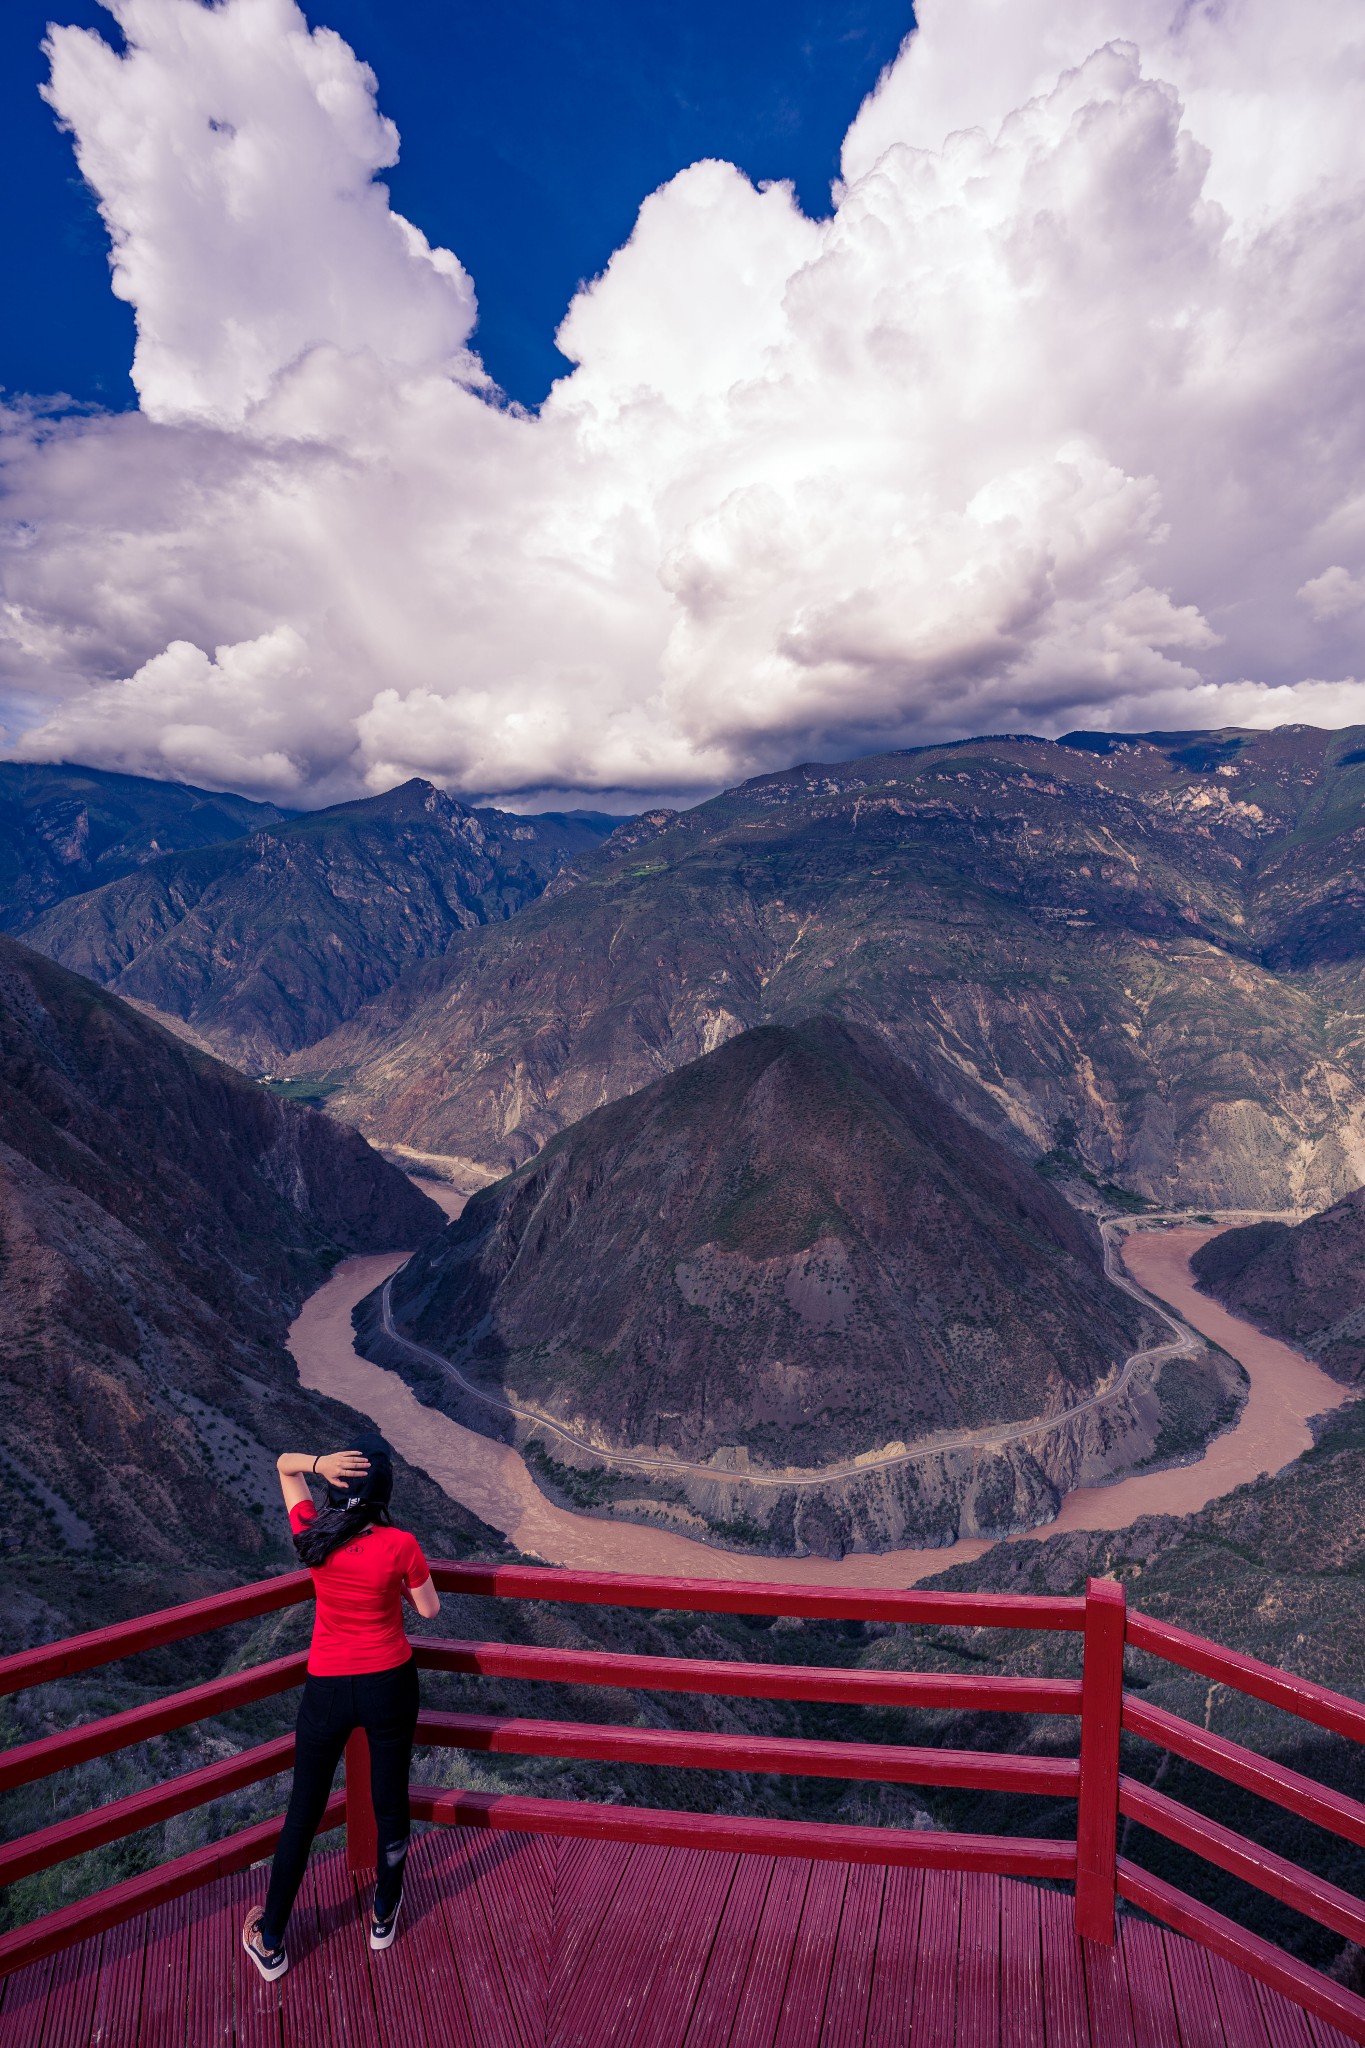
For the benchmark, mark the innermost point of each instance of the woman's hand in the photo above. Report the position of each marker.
(339, 1468)
(296, 1468)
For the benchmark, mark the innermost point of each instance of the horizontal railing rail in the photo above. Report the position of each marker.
(1255, 1865)
(1298, 1696)
(29, 1761)
(928, 1689)
(815, 1840)
(77, 1922)
(1250, 1861)
(1261, 1959)
(26, 1668)
(119, 1818)
(1098, 1700)
(757, 1596)
(1336, 1811)
(881, 1762)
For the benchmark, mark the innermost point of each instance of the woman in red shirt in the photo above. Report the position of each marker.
(361, 1674)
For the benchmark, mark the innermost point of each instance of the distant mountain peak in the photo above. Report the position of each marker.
(414, 798)
(267, 942)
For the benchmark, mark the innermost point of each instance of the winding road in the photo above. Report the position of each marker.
(1181, 1344)
(490, 1478)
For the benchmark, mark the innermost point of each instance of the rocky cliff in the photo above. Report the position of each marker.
(1141, 950)
(1304, 1282)
(264, 943)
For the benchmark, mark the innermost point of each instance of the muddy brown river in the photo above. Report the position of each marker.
(491, 1479)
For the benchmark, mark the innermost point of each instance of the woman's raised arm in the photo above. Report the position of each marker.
(334, 1468)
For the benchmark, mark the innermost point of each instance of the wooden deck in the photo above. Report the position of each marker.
(518, 1941)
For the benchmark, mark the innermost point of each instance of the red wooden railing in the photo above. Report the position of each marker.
(1094, 1779)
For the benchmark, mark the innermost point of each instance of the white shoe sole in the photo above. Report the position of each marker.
(263, 1969)
(386, 1940)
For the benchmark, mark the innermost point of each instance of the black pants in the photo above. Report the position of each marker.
(384, 1704)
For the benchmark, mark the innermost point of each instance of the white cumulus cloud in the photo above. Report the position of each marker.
(1333, 594)
(234, 155)
(1052, 422)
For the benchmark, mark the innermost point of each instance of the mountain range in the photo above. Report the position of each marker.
(262, 944)
(1142, 954)
(64, 830)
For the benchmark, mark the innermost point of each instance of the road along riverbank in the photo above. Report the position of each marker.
(1178, 1344)
(1286, 1389)
(491, 1479)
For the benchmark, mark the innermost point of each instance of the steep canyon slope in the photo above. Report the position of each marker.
(161, 1218)
(788, 1298)
(264, 943)
(1144, 952)
(1304, 1282)
(788, 1247)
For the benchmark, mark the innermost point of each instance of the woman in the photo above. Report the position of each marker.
(361, 1674)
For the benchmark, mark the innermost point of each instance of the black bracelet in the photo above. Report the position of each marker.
(315, 1465)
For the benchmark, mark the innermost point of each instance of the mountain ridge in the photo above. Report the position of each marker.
(65, 829)
(161, 1219)
(1304, 1282)
(1058, 938)
(261, 943)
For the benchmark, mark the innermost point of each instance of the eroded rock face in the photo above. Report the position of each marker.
(1143, 952)
(1304, 1282)
(787, 1254)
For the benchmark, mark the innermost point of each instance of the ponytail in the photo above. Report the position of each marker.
(316, 1541)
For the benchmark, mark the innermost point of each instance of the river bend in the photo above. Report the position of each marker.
(490, 1478)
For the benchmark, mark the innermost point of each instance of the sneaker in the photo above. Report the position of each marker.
(271, 1962)
(383, 1931)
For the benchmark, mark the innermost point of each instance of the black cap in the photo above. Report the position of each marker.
(376, 1487)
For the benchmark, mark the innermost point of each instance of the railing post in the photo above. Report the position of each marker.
(362, 1837)
(1097, 1817)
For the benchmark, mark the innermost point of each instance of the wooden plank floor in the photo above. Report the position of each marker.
(520, 1941)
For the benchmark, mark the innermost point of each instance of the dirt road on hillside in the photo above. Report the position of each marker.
(784, 1478)
(491, 1479)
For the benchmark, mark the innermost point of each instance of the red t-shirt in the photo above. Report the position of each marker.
(358, 1625)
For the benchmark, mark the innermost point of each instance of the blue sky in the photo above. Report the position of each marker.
(1050, 421)
(531, 131)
